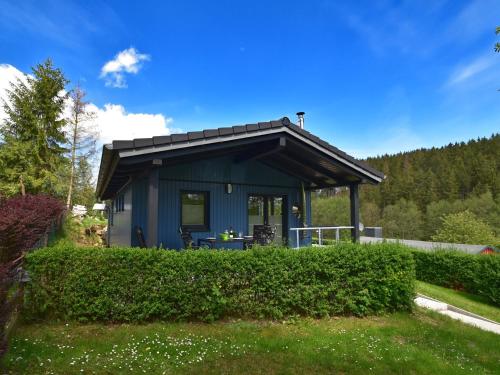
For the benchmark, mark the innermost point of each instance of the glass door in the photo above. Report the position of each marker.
(268, 210)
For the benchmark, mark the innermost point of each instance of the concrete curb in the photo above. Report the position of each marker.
(459, 310)
(457, 313)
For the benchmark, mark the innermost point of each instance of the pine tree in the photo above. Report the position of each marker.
(32, 156)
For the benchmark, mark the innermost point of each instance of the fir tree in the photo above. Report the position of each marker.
(32, 156)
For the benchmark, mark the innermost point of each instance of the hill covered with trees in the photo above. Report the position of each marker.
(456, 171)
(422, 188)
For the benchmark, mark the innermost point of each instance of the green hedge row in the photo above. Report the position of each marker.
(477, 274)
(124, 284)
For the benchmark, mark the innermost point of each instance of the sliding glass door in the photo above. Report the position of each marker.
(268, 210)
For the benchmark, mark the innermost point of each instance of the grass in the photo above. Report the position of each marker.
(463, 300)
(88, 221)
(401, 343)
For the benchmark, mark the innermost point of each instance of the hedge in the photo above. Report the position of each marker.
(130, 284)
(477, 274)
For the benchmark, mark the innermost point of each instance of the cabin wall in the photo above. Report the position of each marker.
(139, 209)
(121, 218)
(251, 177)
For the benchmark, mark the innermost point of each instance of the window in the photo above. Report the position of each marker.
(119, 203)
(195, 211)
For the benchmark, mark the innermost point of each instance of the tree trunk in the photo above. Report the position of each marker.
(21, 183)
(73, 158)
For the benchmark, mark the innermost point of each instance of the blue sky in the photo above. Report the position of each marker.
(372, 77)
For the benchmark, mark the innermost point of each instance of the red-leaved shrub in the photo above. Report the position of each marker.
(24, 220)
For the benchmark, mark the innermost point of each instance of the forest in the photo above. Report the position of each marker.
(451, 193)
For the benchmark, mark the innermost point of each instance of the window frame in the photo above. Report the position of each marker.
(119, 203)
(205, 227)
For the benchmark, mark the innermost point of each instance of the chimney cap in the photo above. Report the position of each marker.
(301, 113)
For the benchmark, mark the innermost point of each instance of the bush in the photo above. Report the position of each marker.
(130, 284)
(23, 220)
(487, 278)
(464, 227)
(477, 274)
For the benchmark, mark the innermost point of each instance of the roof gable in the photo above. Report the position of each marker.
(138, 150)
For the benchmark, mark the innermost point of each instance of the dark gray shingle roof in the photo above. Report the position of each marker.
(139, 143)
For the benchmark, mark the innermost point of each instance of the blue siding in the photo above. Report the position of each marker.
(139, 208)
(224, 170)
(119, 231)
(225, 209)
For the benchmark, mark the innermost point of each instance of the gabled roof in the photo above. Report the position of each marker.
(140, 150)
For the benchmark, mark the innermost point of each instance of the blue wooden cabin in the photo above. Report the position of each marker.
(219, 179)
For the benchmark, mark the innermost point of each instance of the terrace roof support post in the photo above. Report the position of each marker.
(354, 200)
(152, 235)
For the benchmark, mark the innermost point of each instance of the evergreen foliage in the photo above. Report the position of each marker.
(41, 150)
(32, 154)
(456, 171)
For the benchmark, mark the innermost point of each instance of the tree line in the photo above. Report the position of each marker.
(427, 193)
(48, 138)
(456, 171)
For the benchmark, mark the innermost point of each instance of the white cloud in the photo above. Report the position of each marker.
(470, 70)
(8, 74)
(115, 122)
(112, 121)
(127, 61)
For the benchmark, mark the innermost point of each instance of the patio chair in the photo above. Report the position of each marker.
(187, 239)
(264, 234)
(140, 236)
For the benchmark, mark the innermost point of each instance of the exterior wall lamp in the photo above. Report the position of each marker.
(296, 210)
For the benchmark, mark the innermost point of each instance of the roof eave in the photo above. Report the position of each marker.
(108, 159)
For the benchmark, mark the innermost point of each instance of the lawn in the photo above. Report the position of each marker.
(463, 300)
(401, 343)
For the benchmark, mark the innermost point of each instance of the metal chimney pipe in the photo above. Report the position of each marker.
(300, 115)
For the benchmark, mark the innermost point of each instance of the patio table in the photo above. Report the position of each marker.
(212, 241)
